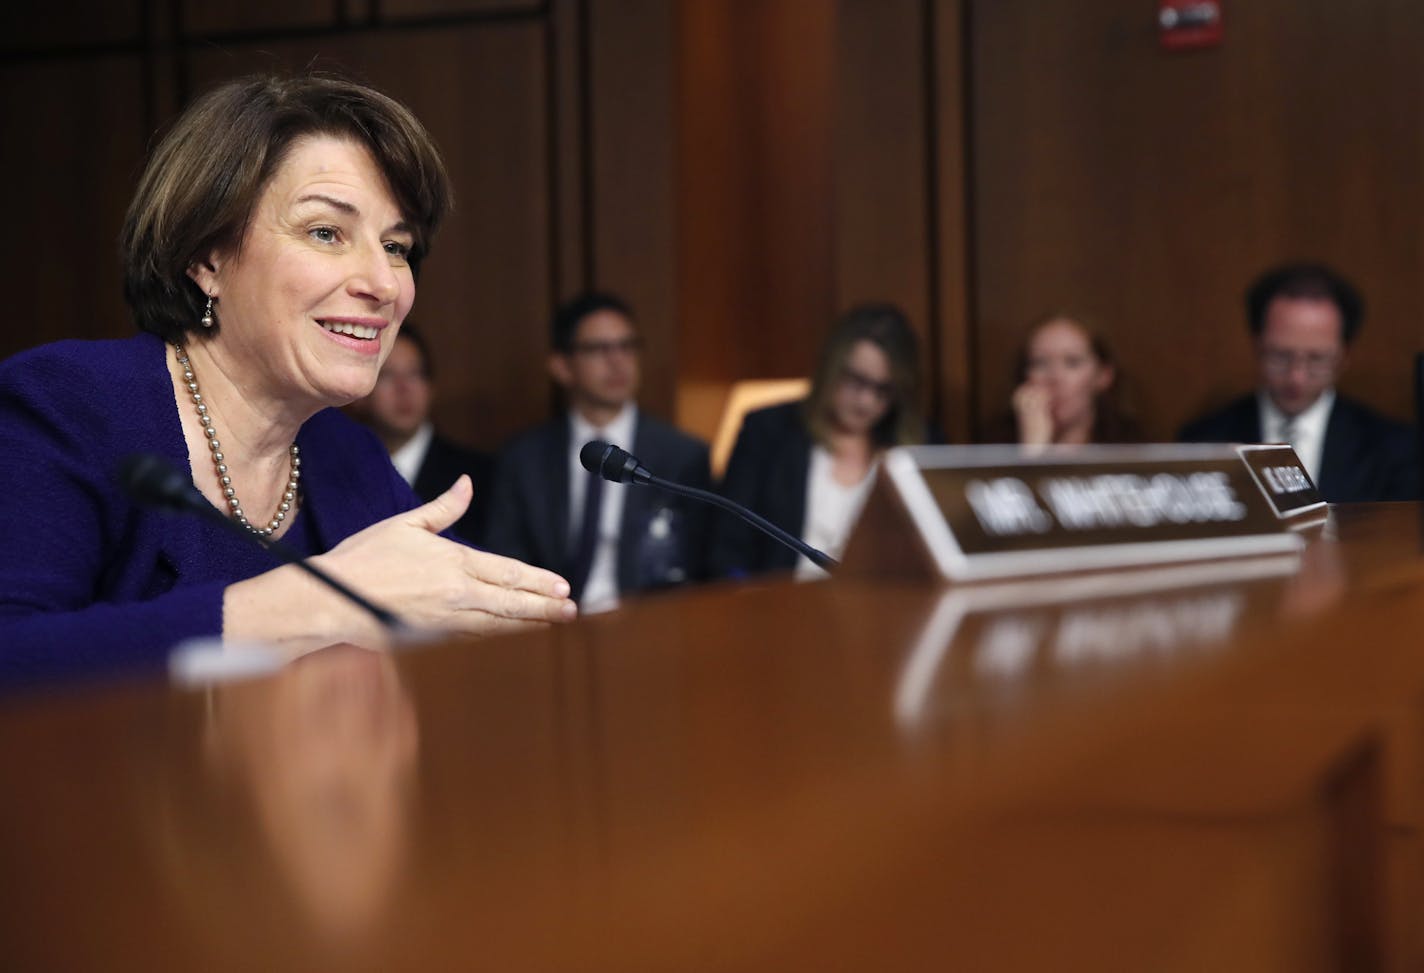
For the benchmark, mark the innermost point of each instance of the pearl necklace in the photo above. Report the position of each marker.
(289, 495)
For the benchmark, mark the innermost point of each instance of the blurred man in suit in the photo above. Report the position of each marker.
(398, 410)
(1303, 319)
(607, 539)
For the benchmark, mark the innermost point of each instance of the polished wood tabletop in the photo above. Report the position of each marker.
(1203, 766)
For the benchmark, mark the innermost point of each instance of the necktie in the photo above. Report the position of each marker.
(1287, 433)
(587, 543)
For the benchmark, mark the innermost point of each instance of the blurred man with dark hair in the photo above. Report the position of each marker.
(398, 410)
(606, 538)
(1303, 318)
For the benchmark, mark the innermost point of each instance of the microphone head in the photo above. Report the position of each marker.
(154, 481)
(593, 453)
(611, 463)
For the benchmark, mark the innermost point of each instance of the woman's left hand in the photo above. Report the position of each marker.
(402, 564)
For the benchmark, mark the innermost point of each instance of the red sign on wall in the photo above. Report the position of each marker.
(1187, 25)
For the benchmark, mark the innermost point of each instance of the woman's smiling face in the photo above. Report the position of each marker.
(309, 304)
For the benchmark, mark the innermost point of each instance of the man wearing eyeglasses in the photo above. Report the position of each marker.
(606, 538)
(1303, 318)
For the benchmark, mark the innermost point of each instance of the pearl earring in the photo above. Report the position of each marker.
(207, 319)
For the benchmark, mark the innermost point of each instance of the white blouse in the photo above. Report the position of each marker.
(831, 510)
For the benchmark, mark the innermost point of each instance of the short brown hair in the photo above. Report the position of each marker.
(203, 181)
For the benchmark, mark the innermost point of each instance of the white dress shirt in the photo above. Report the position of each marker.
(831, 511)
(600, 592)
(1307, 432)
(408, 459)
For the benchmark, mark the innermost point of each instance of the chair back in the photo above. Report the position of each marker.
(746, 396)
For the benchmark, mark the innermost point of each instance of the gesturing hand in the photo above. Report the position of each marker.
(437, 583)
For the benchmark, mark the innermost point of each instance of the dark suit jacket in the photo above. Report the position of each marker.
(528, 510)
(1366, 456)
(444, 462)
(767, 473)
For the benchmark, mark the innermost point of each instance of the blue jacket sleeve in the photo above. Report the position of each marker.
(64, 534)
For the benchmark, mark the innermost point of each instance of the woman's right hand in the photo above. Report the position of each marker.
(1033, 410)
(401, 564)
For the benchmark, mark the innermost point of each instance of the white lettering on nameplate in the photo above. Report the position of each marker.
(1286, 479)
(1126, 499)
(1007, 506)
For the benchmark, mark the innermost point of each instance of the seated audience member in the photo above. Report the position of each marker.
(1067, 389)
(398, 410)
(808, 466)
(269, 255)
(1303, 318)
(607, 538)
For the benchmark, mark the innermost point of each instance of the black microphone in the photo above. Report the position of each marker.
(155, 482)
(620, 466)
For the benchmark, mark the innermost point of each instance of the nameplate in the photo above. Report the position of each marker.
(995, 511)
(1283, 480)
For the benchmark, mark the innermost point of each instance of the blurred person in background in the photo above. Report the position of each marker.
(1303, 319)
(398, 411)
(808, 466)
(1067, 389)
(608, 539)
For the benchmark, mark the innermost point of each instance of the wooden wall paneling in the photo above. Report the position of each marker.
(712, 179)
(882, 215)
(567, 41)
(1344, 112)
(484, 294)
(709, 183)
(631, 102)
(793, 265)
(1148, 187)
(755, 271)
(395, 10)
(74, 145)
(28, 29)
(266, 16)
(949, 255)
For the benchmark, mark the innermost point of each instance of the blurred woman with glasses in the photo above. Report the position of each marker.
(808, 466)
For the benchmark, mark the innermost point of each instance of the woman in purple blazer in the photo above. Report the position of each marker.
(270, 255)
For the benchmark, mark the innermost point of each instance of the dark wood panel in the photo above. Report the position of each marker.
(1149, 187)
(415, 9)
(631, 104)
(882, 218)
(950, 254)
(485, 294)
(710, 184)
(755, 178)
(74, 145)
(568, 187)
(28, 29)
(274, 16)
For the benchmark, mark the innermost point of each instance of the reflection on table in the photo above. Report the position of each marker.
(1215, 767)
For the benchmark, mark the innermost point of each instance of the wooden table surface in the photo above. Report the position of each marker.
(1200, 767)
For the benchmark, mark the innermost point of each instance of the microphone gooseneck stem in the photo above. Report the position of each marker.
(819, 558)
(283, 553)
